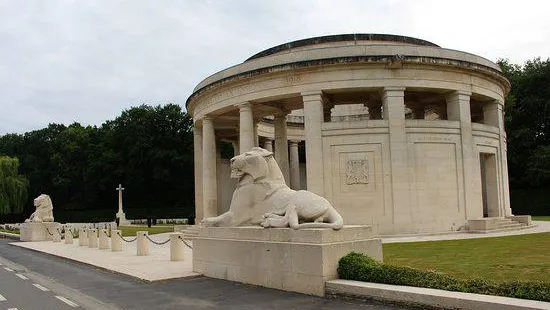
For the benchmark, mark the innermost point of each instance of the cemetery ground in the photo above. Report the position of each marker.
(520, 257)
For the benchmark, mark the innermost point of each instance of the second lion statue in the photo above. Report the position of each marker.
(263, 198)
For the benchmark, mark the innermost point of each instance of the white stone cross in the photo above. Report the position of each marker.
(120, 189)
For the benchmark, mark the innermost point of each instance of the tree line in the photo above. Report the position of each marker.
(147, 149)
(150, 151)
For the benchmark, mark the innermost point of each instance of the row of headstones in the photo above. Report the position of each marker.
(94, 238)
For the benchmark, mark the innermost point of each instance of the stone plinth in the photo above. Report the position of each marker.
(280, 258)
(38, 231)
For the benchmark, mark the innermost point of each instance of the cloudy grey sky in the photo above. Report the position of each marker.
(64, 61)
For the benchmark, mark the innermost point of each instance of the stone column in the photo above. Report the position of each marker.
(246, 127)
(197, 144)
(393, 100)
(458, 109)
(256, 136)
(236, 149)
(294, 165)
(493, 115)
(281, 144)
(209, 176)
(268, 145)
(313, 121)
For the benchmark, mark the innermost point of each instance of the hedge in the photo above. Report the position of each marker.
(360, 267)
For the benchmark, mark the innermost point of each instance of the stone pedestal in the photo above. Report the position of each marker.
(116, 241)
(103, 239)
(38, 231)
(68, 235)
(280, 258)
(92, 238)
(177, 248)
(122, 221)
(56, 234)
(142, 243)
(83, 237)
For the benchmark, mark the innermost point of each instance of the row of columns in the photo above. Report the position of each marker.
(315, 108)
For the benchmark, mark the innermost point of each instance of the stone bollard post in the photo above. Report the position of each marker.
(142, 243)
(103, 239)
(92, 238)
(83, 237)
(56, 235)
(116, 240)
(177, 248)
(68, 235)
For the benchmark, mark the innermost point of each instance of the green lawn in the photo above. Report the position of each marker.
(541, 218)
(131, 230)
(9, 231)
(523, 257)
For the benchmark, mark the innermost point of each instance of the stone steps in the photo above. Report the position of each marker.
(489, 225)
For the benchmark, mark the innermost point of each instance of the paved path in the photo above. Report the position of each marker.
(542, 226)
(97, 289)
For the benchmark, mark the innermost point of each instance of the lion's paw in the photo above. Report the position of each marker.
(208, 222)
(265, 224)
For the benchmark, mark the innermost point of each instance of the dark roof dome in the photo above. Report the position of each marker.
(342, 38)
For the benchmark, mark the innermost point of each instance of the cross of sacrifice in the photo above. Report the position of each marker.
(120, 189)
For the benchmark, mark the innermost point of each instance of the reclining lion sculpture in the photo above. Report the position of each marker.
(44, 210)
(263, 198)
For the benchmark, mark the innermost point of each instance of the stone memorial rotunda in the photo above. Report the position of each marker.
(399, 133)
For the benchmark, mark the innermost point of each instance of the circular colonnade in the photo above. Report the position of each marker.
(399, 132)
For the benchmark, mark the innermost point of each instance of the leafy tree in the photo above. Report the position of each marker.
(528, 122)
(13, 187)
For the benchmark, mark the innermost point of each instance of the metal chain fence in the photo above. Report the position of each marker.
(157, 243)
(129, 241)
(185, 242)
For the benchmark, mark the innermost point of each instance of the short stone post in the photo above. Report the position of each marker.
(142, 243)
(177, 248)
(116, 240)
(83, 237)
(92, 238)
(56, 235)
(103, 239)
(68, 235)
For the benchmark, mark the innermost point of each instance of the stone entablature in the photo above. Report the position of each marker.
(418, 130)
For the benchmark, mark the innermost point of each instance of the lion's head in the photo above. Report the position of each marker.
(258, 163)
(43, 202)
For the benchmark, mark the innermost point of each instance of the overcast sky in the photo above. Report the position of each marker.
(63, 61)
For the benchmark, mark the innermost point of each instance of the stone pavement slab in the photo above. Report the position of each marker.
(153, 267)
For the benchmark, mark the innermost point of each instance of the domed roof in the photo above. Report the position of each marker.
(342, 38)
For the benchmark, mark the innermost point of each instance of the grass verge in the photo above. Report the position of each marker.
(521, 258)
(9, 231)
(541, 218)
(359, 267)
